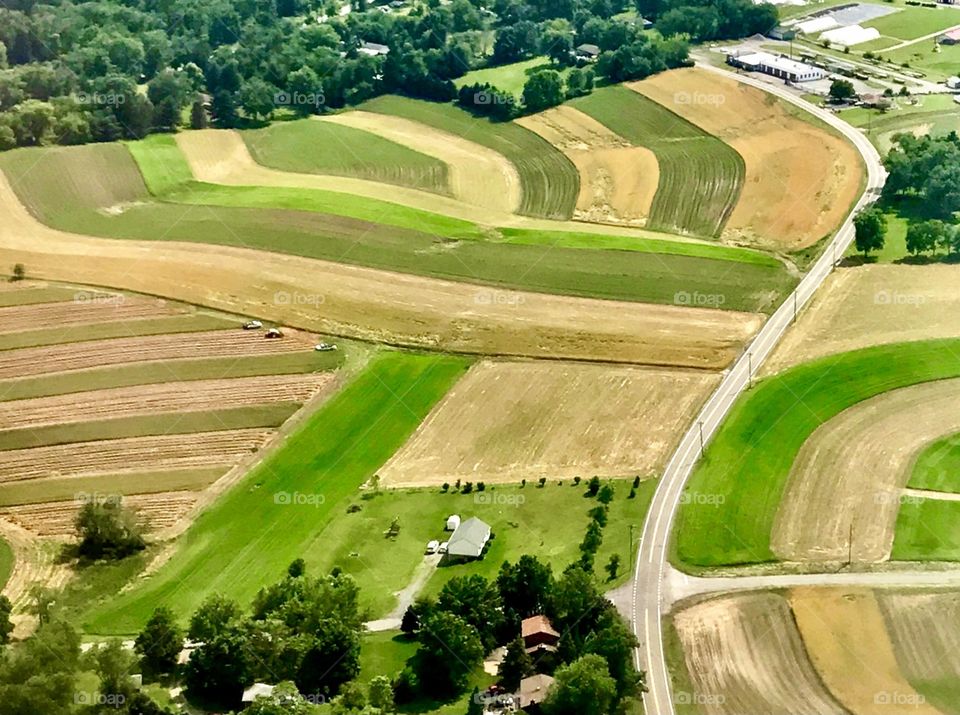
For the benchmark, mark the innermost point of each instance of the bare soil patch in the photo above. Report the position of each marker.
(168, 397)
(556, 419)
(745, 655)
(477, 175)
(873, 305)
(846, 637)
(377, 305)
(801, 179)
(101, 353)
(135, 454)
(617, 180)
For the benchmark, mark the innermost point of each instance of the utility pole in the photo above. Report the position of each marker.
(750, 368)
(700, 427)
(794, 306)
(630, 555)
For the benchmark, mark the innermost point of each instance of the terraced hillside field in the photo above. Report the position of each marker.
(700, 178)
(549, 180)
(801, 178)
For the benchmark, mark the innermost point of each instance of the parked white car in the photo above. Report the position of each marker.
(252, 325)
(433, 546)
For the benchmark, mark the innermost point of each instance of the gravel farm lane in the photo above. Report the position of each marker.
(648, 596)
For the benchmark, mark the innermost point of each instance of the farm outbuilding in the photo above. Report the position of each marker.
(453, 521)
(775, 65)
(850, 36)
(949, 38)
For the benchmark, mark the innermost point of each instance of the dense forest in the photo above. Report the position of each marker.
(75, 72)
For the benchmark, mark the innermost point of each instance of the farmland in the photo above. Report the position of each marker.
(800, 179)
(329, 457)
(700, 177)
(627, 420)
(910, 23)
(751, 474)
(510, 77)
(304, 146)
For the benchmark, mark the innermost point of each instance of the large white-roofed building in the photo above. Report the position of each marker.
(850, 35)
(776, 65)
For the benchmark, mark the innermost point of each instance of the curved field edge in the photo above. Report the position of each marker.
(304, 146)
(252, 531)
(701, 177)
(743, 474)
(98, 190)
(937, 467)
(6, 562)
(549, 181)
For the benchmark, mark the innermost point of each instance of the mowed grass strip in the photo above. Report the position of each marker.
(700, 176)
(938, 467)
(149, 372)
(269, 415)
(623, 275)
(307, 146)
(279, 512)
(738, 485)
(549, 180)
(39, 491)
(30, 296)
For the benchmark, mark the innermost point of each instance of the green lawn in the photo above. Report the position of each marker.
(51, 187)
(700, 176)
(913, 22)
(549, 180)
(314, 147)
(512, 77)
(938, 466)
(927, 530)
(935, 115)
(745, 469)
(144, 373)
(270, 415)
(247, 538)
(921, 56)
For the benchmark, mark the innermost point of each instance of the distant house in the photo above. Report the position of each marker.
(257, 690)
(373, 49)
(469, 540)
(533, 691)
(782, 33)
(587, 52)
(538, 634)
(949, 38)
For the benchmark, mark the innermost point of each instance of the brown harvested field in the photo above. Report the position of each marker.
(745, 657)
(848, 478)
(135, 454)
(477, 175)
(873, 305)
(925, 630)
(507, 421)
(847, 639)
(617, 180)
(100, 353)
(88, 307)
(801, 179)
(158, 511)
(35, 562)
(168, 397)
(377, 305)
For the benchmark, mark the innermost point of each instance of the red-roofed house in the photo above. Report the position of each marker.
(950, 38)
(538, 634)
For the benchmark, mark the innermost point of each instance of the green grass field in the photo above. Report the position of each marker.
(746, 466)
(549, 179)
(927, 530)
(6, 562)
(935, 115)
(913, 22)
(512, 77)
(700, 176)
(51, 187)
(314, 147)
(921, 56)
(32, 296)
(254, 532)
(938, 466)
(144, 373)
(269, 415)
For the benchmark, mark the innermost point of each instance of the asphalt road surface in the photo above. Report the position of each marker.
(654, 543)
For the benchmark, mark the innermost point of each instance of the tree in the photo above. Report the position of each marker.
(515, 666)
(212, 617)
(198, 115)
(543, 89)
(42, 600)
(114, 665)
(615, 643)
(926, 236)
(605, 495)
(159, 643)
(593, 486)
(842, 90)
(351, 699)
(6, 625)
(475, 706)
(871, 229)
(410, 623)
(380, 694)
(579, 82)
(284, 700)
(477, 602)
(107, 530)
(525, 587)
(258, 98)
(19, 272)
(584, 687)
(297, 568)
(450, 649)
(613, 566)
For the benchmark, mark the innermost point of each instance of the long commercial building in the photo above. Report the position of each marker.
(775, 65)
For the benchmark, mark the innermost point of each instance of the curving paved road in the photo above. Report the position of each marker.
(648, 596)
